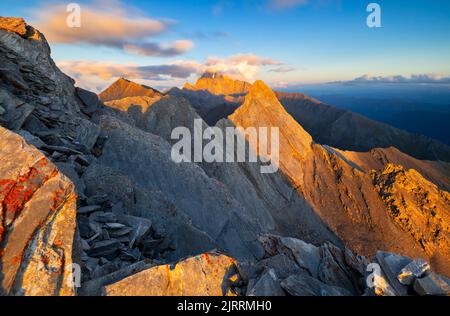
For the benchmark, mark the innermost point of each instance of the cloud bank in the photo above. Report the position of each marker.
(413, 79)
(95, 76)
(108, 23)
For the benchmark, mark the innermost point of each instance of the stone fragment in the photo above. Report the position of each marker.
(305, 285)
(306, 255)
(414, 270)
(103, 217)
(116, 233)
(114, 226)
(104, 248)
(267, 285)
(94, 287)
(432, 284)
(90, 100)
(333, 270)
(282, 264)
(31, 139)
(88, 209)
(203, 275)
(392, 264)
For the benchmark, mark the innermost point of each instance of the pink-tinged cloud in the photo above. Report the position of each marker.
(94, 75)
(109, 23)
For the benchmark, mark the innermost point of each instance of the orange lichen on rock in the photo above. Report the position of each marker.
(37, 208)
(15, 193)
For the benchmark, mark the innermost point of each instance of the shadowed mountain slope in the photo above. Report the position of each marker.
(349, 131)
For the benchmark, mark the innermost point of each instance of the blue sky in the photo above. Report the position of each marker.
(308, 42)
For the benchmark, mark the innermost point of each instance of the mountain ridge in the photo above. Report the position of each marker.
(302, 229)
(123, 88)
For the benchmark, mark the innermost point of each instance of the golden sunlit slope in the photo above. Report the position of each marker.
(342, 195)
(124, 88)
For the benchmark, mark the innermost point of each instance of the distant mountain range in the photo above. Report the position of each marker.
(340, 187)
(418, 117)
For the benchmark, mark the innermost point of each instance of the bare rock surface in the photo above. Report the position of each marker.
(37, 221)
(146, 159)
(342, 195)
(208, 274)
(219, 84)
(124, 88)
(420, 209)
(32, 88)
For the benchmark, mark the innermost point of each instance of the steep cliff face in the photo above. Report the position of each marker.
(437, 172)
(37, 221)
(124, 88)
(35, 94)
(219, 84)
(340, 193)
(419, 208)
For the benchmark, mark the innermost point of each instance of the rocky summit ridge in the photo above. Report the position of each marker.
(218, 83)
(92, 183)
(123, 88)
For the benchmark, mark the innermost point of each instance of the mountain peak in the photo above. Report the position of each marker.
(124, 88)
(219, 84)
(260, 90)
(214, 75)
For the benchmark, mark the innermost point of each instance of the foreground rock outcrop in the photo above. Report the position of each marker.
(37, 221)
(208, 274)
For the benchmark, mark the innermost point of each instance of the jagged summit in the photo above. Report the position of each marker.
(219, 84)
(124, 88)
(20, 27)
(261, 108)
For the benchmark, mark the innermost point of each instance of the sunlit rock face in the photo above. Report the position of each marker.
(342, 194)
(419, 208)
(208, 274)
(124, 88)
(219, 84)
(37, 221)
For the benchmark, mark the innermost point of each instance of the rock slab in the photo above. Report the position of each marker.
(37, 222)
(204, 275)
